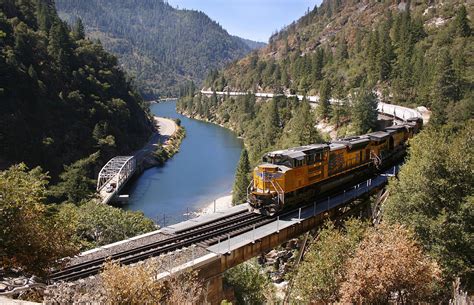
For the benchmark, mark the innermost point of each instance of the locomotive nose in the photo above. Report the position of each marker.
(263, 176)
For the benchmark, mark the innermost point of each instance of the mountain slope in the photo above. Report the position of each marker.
(402, 50)
(62, 97)
(252, 44)
(160, 45)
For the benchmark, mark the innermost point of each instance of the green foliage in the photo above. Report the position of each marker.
(394, 53)
(98, 224)
(78, 30)
(262, 125)
(364, 111)
(165, 152)
(160, 45)
(321, 273)
(462, 23)
(63, 98)
(32, 237)
(242, 180)
(300, 130)
(324, 104)
(445, 89)
(434, 196)
(250, 284)
(160, 154)
(75, 184)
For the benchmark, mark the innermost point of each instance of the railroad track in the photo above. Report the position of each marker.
(203, 234)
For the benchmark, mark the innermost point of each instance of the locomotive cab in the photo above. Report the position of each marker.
(266, 190)
(282, 173)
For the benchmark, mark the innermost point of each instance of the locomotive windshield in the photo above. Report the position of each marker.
(277, 160)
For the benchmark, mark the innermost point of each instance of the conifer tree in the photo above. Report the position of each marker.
(242, 180)
(78, 31)
(214, 100)
(343, 53)
(385, 54)
(301, 129)
(318, 62)
(444, 88)
(271, 124)
(372, 54)
(364, 111)
(44, 16)
(324, 105)
(60, 47)
(284, 78)
(462, 23)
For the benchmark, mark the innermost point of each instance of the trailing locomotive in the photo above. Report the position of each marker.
(296, 175)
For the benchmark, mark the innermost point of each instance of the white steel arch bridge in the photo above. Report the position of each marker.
(114, 175)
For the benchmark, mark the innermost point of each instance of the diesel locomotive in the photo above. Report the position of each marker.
(295, 176)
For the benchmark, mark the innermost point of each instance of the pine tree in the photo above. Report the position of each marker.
(372, 55)
(214, 100)
(60, 46)
(284, 78)
(318, 62)
(242, 180)
(78, 31)
(271, 124)
(44, 16)
(300, 130)
(343, 53)
(324, 105)
(364, 111)
(462, 23)
(444, 88)
(385, 54)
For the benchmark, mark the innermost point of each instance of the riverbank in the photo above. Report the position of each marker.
(170, 136)
(171, 146)
(166, 99)
(203, 169)
(199, 118)
(217, 205)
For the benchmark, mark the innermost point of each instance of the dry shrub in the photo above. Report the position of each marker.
(389, 266)
(132, 284)
(138, 285)
(185, 288)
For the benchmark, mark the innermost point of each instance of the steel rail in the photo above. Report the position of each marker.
(173, 243)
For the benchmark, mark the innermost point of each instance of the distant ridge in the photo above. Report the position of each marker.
(161, 46)
(252, 43)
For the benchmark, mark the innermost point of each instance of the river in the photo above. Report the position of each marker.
(201, 172)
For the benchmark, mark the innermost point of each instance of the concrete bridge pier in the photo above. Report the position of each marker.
(212, 272)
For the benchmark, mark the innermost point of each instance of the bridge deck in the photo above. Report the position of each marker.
(228, 245)
(204, 219)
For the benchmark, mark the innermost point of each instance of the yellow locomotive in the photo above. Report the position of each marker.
(296, 175)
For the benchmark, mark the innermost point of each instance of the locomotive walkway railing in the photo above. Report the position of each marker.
(318, 207)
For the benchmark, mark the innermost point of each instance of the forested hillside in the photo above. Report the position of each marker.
(358, 53)
(418, 53)
(161, 46)
(62, 97)
(413, 54)
(63, 101)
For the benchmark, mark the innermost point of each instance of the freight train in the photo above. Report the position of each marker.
(295, 176)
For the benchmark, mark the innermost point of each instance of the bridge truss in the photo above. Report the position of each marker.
(118, 170)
